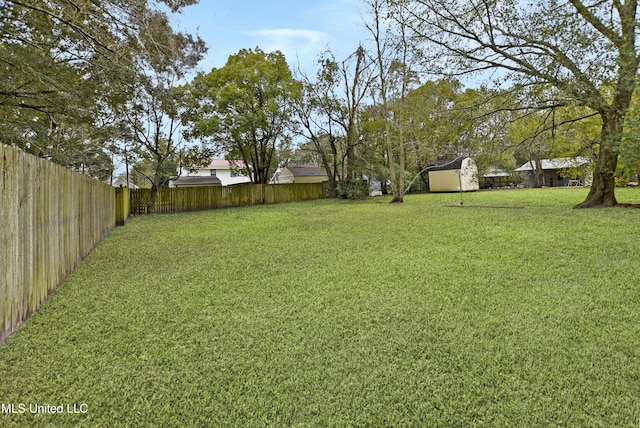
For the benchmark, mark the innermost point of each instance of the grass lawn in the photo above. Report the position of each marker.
(335, 313)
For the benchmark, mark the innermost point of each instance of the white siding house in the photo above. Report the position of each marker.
(222, 170)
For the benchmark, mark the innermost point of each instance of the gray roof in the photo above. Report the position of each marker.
(307, 171)
(559, 163)
(447, 164)
(210, 180)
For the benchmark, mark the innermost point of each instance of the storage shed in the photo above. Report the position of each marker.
(454, 175)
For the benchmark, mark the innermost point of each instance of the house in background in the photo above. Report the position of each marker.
(558, 172)
(375, 187)
(300, 174)
(219, 172)
(454, 175)
(121, 181)
(496, 179)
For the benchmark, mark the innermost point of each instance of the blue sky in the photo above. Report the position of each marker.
(299, 29)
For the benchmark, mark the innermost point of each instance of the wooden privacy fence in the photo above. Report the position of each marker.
(51, 218)
(207, 197)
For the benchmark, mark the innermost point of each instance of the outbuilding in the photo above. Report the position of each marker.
(454, 175)
(496, 178)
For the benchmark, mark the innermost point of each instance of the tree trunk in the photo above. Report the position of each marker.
(402, 168)
(538, 172)
(397, 180)
(602, 193)
(157, 178)
(395, 188)
(152, 200)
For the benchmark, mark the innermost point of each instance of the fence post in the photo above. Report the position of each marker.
(123, 202)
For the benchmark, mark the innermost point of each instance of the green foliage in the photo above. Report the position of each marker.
(143, 172)
(69, 66)
(629, 162)
(434, 124)
(352, 189)
(150, 117)
(346, 313)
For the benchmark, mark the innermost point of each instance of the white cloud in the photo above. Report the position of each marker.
(341, 18)
(298, 45)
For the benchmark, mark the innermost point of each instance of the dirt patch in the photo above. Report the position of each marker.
(629, 205)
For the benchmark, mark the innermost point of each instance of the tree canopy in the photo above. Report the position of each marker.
(68, 64)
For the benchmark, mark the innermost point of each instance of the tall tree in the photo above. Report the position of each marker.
(357, 75)
(152, 116)
(329, 113)
(319, 112)
(387, 63)
(244, 109)
(587, 51)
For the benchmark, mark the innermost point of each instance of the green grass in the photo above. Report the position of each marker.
(334, 313)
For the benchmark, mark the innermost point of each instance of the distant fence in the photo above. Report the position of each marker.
(182, 199)
(50, 219)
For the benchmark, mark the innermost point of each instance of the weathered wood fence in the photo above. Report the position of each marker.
(50, 219)
(208, 197)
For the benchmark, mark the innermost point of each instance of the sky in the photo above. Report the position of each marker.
(300, 29)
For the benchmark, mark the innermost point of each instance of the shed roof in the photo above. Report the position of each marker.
(209, 180)
(307, 171)
(558, 163)
(447, 164)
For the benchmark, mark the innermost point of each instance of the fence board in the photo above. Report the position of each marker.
(183, 199)
(51, 219)
(123, 202)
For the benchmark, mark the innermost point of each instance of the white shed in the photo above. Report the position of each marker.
(454, 175)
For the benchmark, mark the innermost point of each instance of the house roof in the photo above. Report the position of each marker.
(210, 180)
(307, 171)
(122, 182)
(447, 164)
(558, 163)
(496, 173)
(225, 164)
